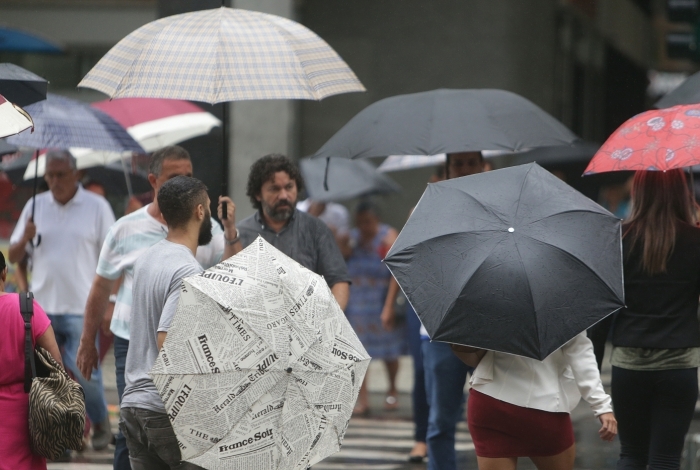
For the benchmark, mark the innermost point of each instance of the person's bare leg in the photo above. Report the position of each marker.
(563, 461)
(420, 449)
(507, 463)
(392, 368)
(362, 405)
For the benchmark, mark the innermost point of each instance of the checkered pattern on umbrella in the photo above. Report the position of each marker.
(222, 55)
(63, 123)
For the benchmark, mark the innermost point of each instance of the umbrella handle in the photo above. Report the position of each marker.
(325, 175)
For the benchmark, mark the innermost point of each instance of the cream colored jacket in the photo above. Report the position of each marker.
(555, 384)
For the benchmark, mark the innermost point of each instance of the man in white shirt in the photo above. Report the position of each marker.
(64, 238)
(126, 241)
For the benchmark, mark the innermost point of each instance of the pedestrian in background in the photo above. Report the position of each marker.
(656, 338)
(64, 240)
(158, 275)
(274, 183)
(368, 244)
(445, 374)
(126, 241)
(519, 407)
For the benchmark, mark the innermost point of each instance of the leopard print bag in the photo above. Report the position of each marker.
(56, 402)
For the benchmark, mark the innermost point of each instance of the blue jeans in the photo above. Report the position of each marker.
(420, 400)
(68, 329)
(121, 451)
(445, 376)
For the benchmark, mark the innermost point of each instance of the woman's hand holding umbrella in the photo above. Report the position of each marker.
(470, 356)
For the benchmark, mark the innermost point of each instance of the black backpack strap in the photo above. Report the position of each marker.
(26, 308)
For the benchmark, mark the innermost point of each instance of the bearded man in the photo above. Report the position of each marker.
(273, 186)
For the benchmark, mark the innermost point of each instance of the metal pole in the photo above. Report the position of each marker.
(127, 178)
(224, 150)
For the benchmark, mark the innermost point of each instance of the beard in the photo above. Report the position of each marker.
(280, 212)
(205, 234)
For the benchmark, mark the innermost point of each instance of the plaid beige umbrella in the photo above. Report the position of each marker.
(222, 55)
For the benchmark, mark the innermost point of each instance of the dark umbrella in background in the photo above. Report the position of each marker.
(20, 86)
(578, 152)
(18, 40)
(347, 179)
(6, 148)
(511, 260)
(446, 121)
(687, 92)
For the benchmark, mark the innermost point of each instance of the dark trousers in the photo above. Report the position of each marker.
(420, 400)
(151, 440)
(654, 410)
(121, 452)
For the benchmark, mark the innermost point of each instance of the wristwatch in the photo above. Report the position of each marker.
(234, 241)
(113, 298)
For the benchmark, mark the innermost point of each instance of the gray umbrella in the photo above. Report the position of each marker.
(346, 179)
(446, 121)
(687, 92)
(6, 148)
(511, 260)
(579, 151)
(20, 86)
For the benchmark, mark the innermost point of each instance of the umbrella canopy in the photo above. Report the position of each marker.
(580, 151)
(221, 55)
(346, 179)
(64, 123)
(446, 121)
(269, 365)
(511, 260)
(84, 158)
(17, 40)
(410, 162)
(13, 119)
(6, 148)
(660, 139)
(20, 86)
(687, 93)
(156, 123)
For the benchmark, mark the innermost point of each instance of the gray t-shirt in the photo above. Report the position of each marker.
(305, 239)
(158, 275)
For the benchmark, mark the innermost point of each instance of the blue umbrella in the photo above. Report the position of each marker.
(16, 40)
(64, 123)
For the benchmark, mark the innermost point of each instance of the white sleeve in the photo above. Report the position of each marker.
(579, 354)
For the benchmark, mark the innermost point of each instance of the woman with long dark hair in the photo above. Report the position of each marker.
(656, 338)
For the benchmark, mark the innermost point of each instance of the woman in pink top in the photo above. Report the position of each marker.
(15, 453)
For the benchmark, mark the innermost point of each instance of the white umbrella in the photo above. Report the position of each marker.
(13, 119)
(260, 368)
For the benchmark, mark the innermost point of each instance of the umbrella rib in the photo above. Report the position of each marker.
(571, 211)
(529, 289)
(486, 208)
(575, 258)
(522, 188)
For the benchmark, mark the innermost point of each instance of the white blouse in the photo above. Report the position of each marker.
(555, 384)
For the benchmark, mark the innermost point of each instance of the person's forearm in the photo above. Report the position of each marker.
(230, 250)
(341, 292)
(95, 307)
(17, 251)
(391, 293)
(21, 275)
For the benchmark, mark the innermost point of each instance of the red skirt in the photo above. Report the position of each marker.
(500, 429)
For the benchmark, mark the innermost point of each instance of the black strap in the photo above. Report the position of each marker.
(26, 308)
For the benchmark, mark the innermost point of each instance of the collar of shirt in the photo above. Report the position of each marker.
(76, 199)
(261, 221)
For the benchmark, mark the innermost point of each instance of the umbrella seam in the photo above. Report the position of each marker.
(522, 188)
(532, 296)
(573, 211)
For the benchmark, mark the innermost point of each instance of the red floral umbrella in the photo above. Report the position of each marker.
(660, 139)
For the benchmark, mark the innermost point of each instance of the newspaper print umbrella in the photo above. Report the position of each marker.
(260, 368)
(219, 55)
(656, 140)
(13, 119)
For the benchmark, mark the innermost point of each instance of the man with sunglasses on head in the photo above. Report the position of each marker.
(64, 239)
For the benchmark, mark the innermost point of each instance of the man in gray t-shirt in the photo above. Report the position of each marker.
(158, 275)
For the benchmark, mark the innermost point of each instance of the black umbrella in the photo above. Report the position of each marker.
(511, 260)
(347, 179)
(20, 86)
(579, 152)
(446, 121)
(687, 92)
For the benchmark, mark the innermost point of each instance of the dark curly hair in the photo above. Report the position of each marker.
(264, 169)
(178, 198)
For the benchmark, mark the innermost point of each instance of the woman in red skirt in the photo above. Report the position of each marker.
(519, 407)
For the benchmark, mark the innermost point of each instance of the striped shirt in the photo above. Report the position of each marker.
(126, 241)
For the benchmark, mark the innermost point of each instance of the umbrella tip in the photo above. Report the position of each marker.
(289, 370)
